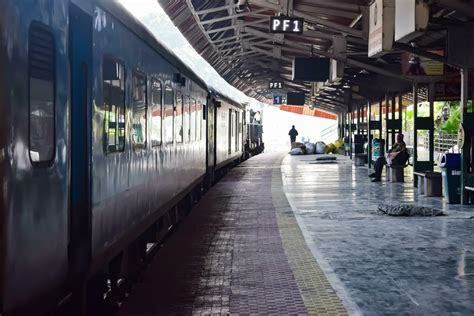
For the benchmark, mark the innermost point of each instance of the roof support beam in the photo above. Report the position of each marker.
(225, 18)
(420, 52)
(332, 25)
(329, 106)
(233, 27)
(226, 7)
(240, 54)
(332, 104)
(461, 7)
(326, 12)
(222, 51)
(265, 52)
(236, 37)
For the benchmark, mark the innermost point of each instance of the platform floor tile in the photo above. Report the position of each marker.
(240, 252)
(318, 294)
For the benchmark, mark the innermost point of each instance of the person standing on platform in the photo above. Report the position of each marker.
(397, 155)
(293, 133)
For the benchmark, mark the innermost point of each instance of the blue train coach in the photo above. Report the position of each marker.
(106, 140)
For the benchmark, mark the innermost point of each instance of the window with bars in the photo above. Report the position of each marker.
(168, 115)
(156, 112)
(42, 70)
(113, 87)
(140, 107)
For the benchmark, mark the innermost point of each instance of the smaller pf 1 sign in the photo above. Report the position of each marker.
(285, 24)
(279, 99)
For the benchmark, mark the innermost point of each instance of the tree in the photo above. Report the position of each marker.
(452, 124)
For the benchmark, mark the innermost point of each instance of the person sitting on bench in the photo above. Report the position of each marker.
(397, 156)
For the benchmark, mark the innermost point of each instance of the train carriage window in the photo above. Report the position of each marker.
(156, 112)
(199, 120)
(186, 116)
(114, 105)
(193, 121)
(178, 119)
(168, 115)
(241, 127)
(237, 131)
(41, 61)
(139, 119)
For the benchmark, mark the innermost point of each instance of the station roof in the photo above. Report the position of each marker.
(233, 36)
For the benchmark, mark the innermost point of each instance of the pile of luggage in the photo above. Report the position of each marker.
(318, 148)
(308, 148)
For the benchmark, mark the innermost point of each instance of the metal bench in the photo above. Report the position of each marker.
(360, 159)
(429, 183)
(470, 193)
(395, 173)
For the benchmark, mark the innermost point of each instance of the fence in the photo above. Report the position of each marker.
(442, 142)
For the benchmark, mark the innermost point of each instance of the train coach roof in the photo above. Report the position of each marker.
(218, 95)
(122, 14)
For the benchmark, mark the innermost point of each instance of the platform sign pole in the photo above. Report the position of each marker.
(351, 125)
(387, 133)
(400, 111)
(343, 125)
(380, 120)
(467, 120)
(369, 134)
(393, 119)
(424, 123)
(415, 134)
(339, 125)
(431, 90)
(358, 119)
(346, 127)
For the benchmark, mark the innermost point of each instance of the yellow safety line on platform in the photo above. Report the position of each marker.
(318, 294)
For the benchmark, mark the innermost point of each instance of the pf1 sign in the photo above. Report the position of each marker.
(275, 85)
(285, 24)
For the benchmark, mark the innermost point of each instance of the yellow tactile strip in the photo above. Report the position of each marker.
(318, 294)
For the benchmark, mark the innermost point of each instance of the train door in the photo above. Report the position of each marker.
(211, 135)
(80, 41)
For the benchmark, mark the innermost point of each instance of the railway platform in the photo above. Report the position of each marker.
(287, 235)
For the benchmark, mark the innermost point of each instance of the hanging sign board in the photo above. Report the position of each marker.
(381, 27)
(275, 85)
(411, 19)
(461, 46)
(279, 99)
(295, 98)
(336, 71)
(414, 65)
(286, 24)
(310, 69)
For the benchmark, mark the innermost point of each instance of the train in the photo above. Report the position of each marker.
(106, 141)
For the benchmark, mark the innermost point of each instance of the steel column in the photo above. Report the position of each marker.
(369, 133)
(467, 120)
